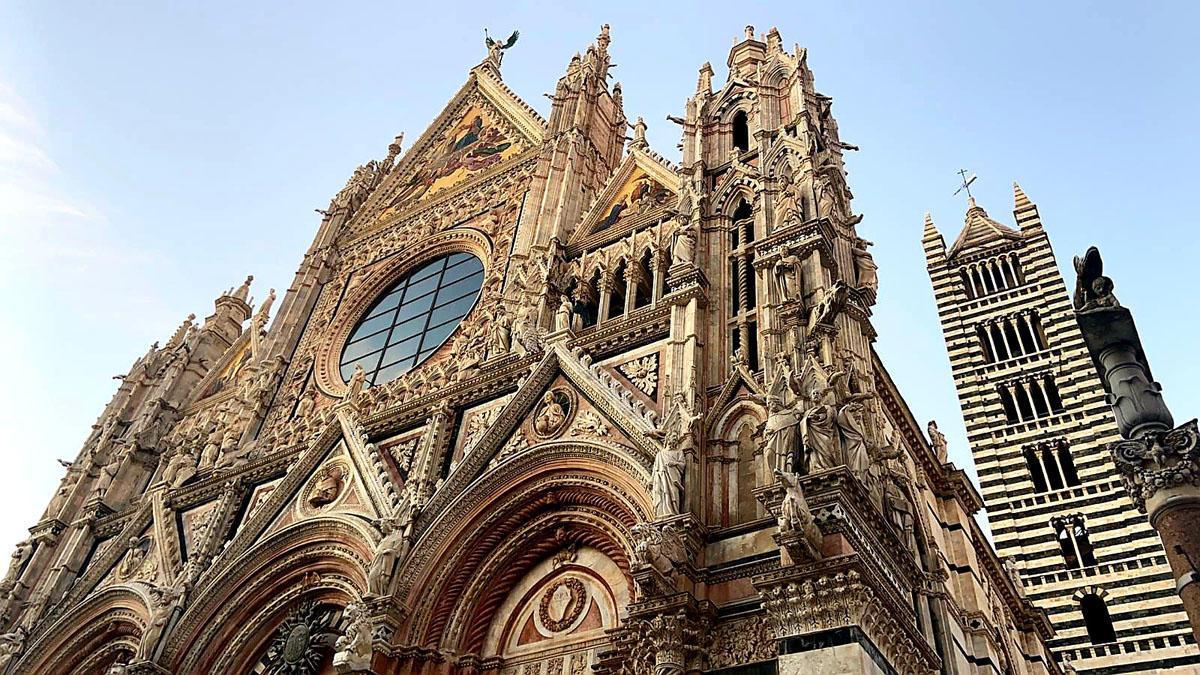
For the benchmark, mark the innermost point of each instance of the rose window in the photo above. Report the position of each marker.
(413, 318)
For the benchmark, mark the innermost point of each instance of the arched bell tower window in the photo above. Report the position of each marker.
(414, 317)
(741, 131)
(1096, 619)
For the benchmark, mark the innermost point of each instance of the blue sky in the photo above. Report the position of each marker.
(152, 154)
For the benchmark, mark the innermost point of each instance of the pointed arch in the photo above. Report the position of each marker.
(103, 630)
(553, 495)
(233, 615)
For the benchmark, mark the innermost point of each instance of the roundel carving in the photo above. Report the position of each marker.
(562, 604)
(553, 413)
(404, 310)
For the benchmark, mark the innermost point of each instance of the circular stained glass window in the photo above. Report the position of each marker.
(413, 318)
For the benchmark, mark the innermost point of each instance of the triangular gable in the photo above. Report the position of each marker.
(252, 526)
(740, 380)
(224, 373)
(335, 487)
(629, 417)
(641, 184)
(483, 125)
(980, 231)
(358, 488)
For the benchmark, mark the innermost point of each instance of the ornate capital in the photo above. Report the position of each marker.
(1159, 460)
(844, 593)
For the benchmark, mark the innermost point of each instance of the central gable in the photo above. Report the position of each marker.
(484, 125)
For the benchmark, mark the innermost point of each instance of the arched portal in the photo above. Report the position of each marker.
(245, 613)
(530, 563)
(104, 630)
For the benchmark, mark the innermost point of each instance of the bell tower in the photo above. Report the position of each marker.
(1038, 425)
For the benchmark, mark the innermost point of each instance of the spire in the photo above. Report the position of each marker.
(639, 135)
(704, 82)
(931, 230)
(932, 241)
(1025, 211)
(242, 291)
(980, 230)
(1020, 201)
(180, 332)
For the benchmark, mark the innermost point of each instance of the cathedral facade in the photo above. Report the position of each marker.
(1039, 424)
(538, 401)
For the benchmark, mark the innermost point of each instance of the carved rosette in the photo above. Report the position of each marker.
(1160, 460)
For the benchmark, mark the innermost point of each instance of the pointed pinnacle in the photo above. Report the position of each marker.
(1020, 201)
(930, 228)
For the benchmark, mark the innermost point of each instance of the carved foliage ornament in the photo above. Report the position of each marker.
(643, 373)
(1158, 461)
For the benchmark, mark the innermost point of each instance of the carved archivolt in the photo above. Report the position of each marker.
(324, 558)
(107, 626)
(527, 509)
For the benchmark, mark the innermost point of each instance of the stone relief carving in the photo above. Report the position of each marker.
(552, 415)
(642, 372)
(590, 423)
(165, 600)
(327, 485)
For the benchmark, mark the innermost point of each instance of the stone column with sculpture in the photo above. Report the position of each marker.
(1158, 462)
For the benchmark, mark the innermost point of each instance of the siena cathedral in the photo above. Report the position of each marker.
(537, 402)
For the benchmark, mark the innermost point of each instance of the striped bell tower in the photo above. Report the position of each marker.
(1037, 422)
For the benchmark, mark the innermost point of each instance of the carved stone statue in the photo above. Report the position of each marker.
(304, 408)
(897, 499)
(787, 272)
(562, 316)
(390, 551)
(818, 431)
(495, 48)
(683, 250)
(181, 467)
(11, 646)
(938, 440)
(666, 480)
(854, 440)
(108, 473)
(500, 339)
(794, 513)
(165, 599)
(865, 268)
(1112, 340)
(833, 301)
(20, 555)
(1093, 290)
(354, 645)
(659, 546)
(357, 381)
(1014, 573)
